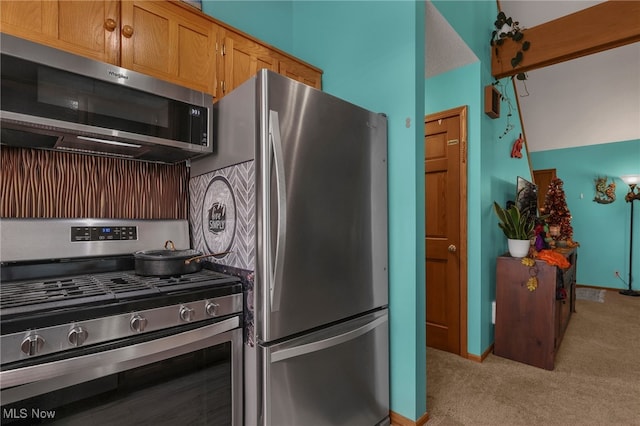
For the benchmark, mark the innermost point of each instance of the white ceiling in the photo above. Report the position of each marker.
(585, 101)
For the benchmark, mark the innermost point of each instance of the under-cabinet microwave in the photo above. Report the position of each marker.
(56, 100)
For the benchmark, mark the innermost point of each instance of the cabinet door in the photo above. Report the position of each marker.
(170, 42)
(243, 58)
(301, 73)
(88, 28)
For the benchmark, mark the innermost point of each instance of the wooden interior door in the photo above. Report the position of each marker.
(543, 178)
(445, 230)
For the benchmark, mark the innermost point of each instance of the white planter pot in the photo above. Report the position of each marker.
(519, 248)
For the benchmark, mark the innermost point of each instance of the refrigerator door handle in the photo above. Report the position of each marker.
(281, 190)
(319, 345)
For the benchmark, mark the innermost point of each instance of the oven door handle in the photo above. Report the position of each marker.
(119, 359)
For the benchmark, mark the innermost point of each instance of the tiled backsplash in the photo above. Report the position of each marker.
(49, 184)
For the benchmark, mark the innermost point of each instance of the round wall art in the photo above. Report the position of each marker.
(219, 216)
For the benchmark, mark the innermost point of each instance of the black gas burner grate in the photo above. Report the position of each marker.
(23, 296)
(32, 296)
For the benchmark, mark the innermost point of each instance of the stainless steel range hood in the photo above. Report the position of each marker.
(56, 100)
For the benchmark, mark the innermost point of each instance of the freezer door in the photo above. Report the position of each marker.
(337, 376)
(322, 209)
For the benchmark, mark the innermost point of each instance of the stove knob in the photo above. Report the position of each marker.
(138, 323)
(77, 336)
(187, 314)
(212, 309)
(31, 345)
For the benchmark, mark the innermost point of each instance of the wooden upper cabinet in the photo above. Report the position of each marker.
(159, 38)
(301, 73)
(168, 41)
(88, 28)
(242, 58)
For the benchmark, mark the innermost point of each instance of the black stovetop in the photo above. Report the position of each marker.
(48, 301)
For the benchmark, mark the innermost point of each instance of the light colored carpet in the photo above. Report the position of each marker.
(596, 380)
(593, 294)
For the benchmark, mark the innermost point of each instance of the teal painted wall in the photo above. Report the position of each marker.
(601, 229)
(372, 54)
(473, 21)
(269, 21)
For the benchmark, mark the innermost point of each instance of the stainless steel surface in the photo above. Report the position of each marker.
(97, 140)
(138, 323)
(331, 374)
(237, 123)
(32, 344)
(21, 239)
(77, 336)
(32, 381)
(275, 265)
(66, 292)
(292, 350)
(46, 371)
(165, 150)
(216, 337)
(321, 170)
(55, 58)
(334, 198)
(320, 250)
(54, 339)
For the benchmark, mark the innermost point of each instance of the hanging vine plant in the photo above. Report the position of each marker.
(506, 27)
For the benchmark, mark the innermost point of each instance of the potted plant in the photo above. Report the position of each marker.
(517, 227)
(506, 27)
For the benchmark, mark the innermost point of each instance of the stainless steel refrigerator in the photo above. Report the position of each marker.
(296, 194)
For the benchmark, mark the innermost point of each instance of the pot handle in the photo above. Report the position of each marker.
(197, 258)
(169, 245)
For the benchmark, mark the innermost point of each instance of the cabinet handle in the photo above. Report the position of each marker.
(127, 31)
(110, 25)
(223, 86)
(452, 248)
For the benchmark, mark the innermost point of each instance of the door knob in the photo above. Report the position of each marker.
(127, 31)
(452, 248)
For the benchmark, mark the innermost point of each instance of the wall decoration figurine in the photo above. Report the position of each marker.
(605, 194)
(516, 151)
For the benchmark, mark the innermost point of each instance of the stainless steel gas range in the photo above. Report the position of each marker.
(83, 334)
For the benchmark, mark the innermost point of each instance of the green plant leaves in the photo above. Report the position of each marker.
(514, 224)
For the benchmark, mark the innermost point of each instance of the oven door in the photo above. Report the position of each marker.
(191, 377)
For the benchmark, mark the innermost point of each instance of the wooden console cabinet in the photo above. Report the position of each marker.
(530, 324)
